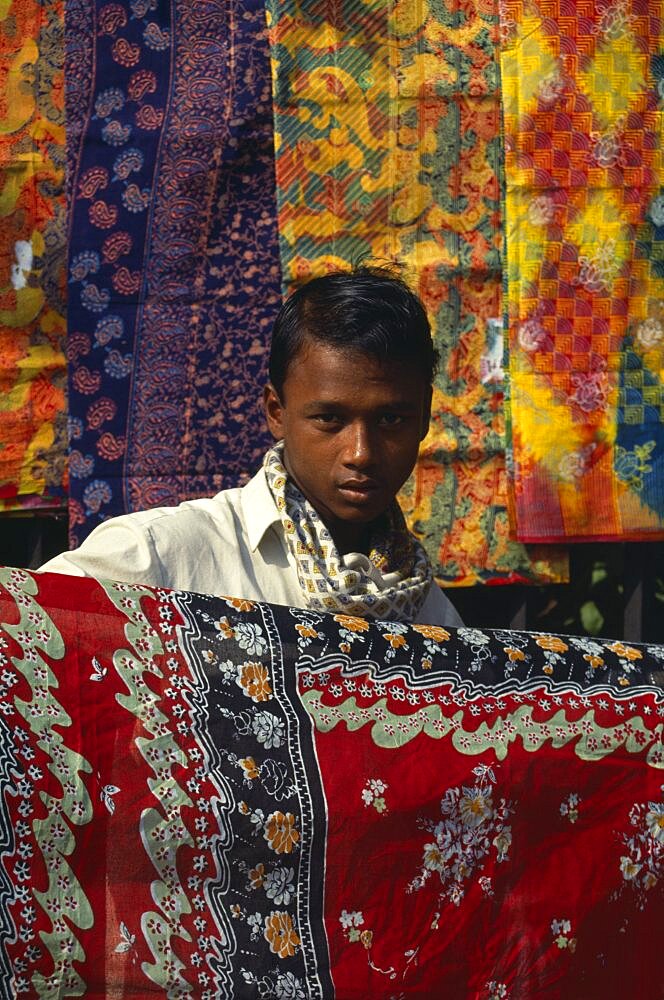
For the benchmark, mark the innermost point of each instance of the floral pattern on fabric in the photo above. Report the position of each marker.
(274, 817)
(582, 93)
(184, 818)
(512, 809)
(387, 122)
(33, 421)
(173, 260)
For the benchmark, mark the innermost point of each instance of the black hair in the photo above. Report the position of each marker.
(369, 309)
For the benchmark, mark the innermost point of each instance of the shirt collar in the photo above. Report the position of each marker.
(259, 509)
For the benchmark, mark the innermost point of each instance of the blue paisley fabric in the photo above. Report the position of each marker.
(174, 275)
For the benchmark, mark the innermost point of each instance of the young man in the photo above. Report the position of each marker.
(318, 526)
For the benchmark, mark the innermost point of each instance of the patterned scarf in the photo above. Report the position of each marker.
(391, 583)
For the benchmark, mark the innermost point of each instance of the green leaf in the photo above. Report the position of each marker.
(592, 618)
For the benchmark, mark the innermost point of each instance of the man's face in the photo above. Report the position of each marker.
(351, 427)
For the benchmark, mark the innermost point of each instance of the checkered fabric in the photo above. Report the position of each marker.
(583, 87)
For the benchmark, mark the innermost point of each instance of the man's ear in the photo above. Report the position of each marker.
(426, 412)
(274, 411)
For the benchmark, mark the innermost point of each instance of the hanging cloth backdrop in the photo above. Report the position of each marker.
(214, 798)
(33, 438)
(388, 147)
(173, 258)
(582, 90)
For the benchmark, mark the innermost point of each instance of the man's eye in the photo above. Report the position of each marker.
(391, 420)
(326, 418)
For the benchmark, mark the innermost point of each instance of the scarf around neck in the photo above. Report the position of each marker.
(391, 583)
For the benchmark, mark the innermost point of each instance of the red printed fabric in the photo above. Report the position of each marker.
(208, 797)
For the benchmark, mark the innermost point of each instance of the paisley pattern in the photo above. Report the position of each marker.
(210, 797)
(388, 147)
(32, 257)
(582, 92)
(173, 264)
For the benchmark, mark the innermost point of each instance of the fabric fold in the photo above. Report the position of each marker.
(212, 797)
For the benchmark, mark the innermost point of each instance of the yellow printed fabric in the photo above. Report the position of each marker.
(583, 91)
(388, 148)
(32, 237)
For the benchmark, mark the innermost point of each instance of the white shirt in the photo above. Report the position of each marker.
(231, 545)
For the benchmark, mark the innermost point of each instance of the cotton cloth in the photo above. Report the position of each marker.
(33, 374)
(387, 121)
(217, 799)
(584, 225)
(233, 543)
(173, 260)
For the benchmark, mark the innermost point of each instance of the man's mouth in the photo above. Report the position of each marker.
(358, 489)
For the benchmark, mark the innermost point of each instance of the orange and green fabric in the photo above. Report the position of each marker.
(387, 130)
(584, 217)
(32, 238)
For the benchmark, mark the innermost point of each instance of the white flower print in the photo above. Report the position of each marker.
(463, 838)
(352, 918)
(279, 885)
(570, 807)
(643, 863)
(249, 637)
(473, 636)
(268, 729)
(655, 821)
(288, 987)
(227, 669)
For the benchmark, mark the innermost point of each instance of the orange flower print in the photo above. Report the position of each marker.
(257, 876)
(366, 937)
(344, 647)
(434, 632)
(514, 654)
(280, 934)
(226, 630)
(243, 808)
(395, 641)
(594, 661)
(280, 832)
(626, 652)
(306, 631)
(250, 768)
(352, 623)
(551, 643)
(240, 604)
(254, 681)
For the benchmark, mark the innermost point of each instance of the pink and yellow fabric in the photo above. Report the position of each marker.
(388, 148)
(583, 87)
(32, 236)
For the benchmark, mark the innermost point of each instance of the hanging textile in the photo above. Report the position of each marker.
(388, 120)
(32, 257)
(212, 798)
(584, 219)
(173, 261)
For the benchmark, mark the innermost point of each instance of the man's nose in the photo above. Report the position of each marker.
(359, 450)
